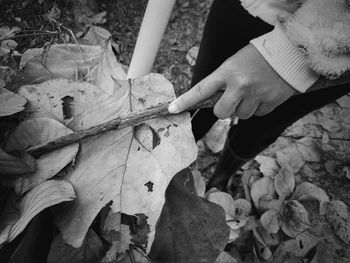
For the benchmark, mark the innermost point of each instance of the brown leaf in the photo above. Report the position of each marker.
(190, 228)
(49, 193)
(262, 188)
(117, 166)
(309, 191)
(308, 149)
(291, 157)
(270, 221)
(35, 132)
(12, 165)
(285, 182)
(268, 165)
(10, 103)
(89, 252)
(294, 218)
(298, 247)
(96, 62)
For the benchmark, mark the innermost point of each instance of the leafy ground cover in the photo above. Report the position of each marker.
(106, 199)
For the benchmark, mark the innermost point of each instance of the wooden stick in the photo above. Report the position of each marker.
(135, 118)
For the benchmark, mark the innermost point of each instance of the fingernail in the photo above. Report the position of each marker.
(173, 108)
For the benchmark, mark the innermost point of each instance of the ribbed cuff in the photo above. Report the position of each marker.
(285, 59)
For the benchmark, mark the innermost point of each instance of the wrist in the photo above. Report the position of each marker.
(285, 59)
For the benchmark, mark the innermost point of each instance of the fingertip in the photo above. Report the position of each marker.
(173, 108)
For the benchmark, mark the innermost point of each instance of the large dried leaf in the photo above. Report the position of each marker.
(131, 167)
(13, 221)
(285, 182)
(13, 165)
(270, 221)
(339, 218)
(294, 218)
(309, 191)
(190, 228)
(10, 103)
(89, 252)
(35, 132)
(95, 63)
(262, 188)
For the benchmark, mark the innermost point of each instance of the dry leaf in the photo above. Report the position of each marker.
(199, 183)
(270, 221)
(216, 136)
(224, 200)
(268, 165)
(190, 229)
(119, 166)
(95, 63)
(261, 248)
(243, 208)
(262, 188)
(13, 165)
(298, 247)
(10, 103)
(309, 191)
(49, 193)
(291, 157)
(284, 182)
(338, 216)
(35, 132)
(191, 55)
(308, 149)
(89, 252)
(294, 218)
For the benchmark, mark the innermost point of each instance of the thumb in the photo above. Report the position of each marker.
(197, 93)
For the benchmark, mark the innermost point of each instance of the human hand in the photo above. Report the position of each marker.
(252, 87)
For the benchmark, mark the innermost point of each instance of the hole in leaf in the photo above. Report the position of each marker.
(301, 244)
(66, 107)
(149, 186)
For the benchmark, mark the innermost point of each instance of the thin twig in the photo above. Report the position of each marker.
(29, 35)
(135, 118)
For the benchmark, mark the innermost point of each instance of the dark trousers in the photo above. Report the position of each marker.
(229, 28)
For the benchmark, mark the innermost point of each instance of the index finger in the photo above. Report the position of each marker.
(204, 89)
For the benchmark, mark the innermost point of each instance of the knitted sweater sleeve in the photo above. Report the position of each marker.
(311, 38)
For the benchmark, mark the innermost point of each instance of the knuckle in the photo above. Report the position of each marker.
(198, 90)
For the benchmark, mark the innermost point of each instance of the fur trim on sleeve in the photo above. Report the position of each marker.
(321, 30)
